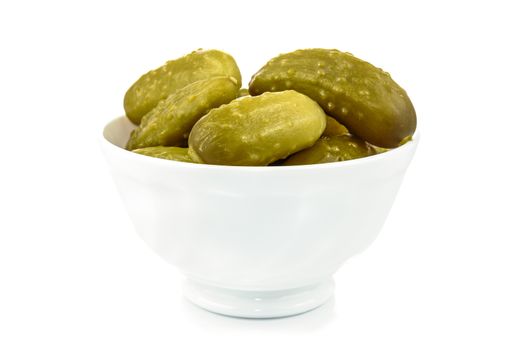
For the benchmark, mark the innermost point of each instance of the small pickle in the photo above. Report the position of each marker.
(383, 150)
(170, 153)
(379, 149)
(243, 92)
(362, 97)
(334, 128)
(170, 122)
(332, 149)
(257, 131)
(158, 84)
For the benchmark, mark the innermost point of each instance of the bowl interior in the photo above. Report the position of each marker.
(118, 130)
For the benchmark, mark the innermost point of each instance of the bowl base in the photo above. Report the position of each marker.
(258, 304)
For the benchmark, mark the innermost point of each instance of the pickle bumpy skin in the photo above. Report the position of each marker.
(332, 149)
(170, 122)
(257, 130)
(158, 84)
(362, 97)
(169, 153)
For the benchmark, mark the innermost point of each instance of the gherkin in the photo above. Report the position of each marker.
(170, 122)
(158, 84)
(243, 92)
(257, 131)
(169, 153)
(362, 97)
(334, 128)
(330, 149)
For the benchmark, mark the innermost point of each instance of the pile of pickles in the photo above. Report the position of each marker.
(309, 106)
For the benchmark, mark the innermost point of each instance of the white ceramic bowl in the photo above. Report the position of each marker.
(255, 241)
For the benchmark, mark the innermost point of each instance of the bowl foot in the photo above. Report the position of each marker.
(258, 304)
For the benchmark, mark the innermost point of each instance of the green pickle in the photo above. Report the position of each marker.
(309, 106)
(169, 153)
(158, 84)
(330, 149)
(257, 131)
(362, 97)
(170, 122)
(379, 149)
(243, 92)
(334, 128)
(383, 150)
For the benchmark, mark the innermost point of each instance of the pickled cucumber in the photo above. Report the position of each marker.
(158, 84)
(334, 128)
(332, 149)
(243, 92)
(170, 153)
(257, 130)
(170, 122)
(362, 97)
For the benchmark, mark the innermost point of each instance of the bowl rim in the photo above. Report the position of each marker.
(105, 143)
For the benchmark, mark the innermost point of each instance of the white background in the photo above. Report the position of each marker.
(447, 271)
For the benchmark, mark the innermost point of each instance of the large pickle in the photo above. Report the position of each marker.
(158, 84)
(362, 97)
(170, 153)
(257, 130)
(170, 122)
(332, 149)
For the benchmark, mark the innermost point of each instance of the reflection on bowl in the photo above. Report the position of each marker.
(255, 241)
